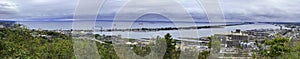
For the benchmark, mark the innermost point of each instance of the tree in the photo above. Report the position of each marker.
(20, 44)
(106, 51)
(171, 52)
(277, 47)
(97, 36)
(203, 55)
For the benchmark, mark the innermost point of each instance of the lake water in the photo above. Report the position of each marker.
(175, 33)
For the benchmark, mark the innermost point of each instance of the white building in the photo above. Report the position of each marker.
(1, 26)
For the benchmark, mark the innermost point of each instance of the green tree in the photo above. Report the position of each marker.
(106, 51)
(19, 43)
(171, 52)
(277, 47)
(203, 55)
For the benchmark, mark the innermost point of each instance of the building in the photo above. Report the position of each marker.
(232, 39)
(1, 26)
(262, 34)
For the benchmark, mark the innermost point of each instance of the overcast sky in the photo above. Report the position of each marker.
(234, 10)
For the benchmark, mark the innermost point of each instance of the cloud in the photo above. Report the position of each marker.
(261, 10)
(111, 7)
(30, 9)
(234, 10)
(7, 8)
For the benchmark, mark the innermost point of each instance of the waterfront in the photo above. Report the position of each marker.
(108, 25)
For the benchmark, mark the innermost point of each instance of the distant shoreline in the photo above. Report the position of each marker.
(176, 28)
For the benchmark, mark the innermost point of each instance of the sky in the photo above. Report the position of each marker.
(234, 10)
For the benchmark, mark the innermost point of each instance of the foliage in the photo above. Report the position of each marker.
(294, 51)
(278, 46)
(214, 43)
(141, 50)
(19, 43)
(106, 51)
(170, 51)
(98, 36)
(204, 55)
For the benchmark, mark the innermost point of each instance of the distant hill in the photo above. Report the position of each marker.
(290, 23)
(7, 23)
